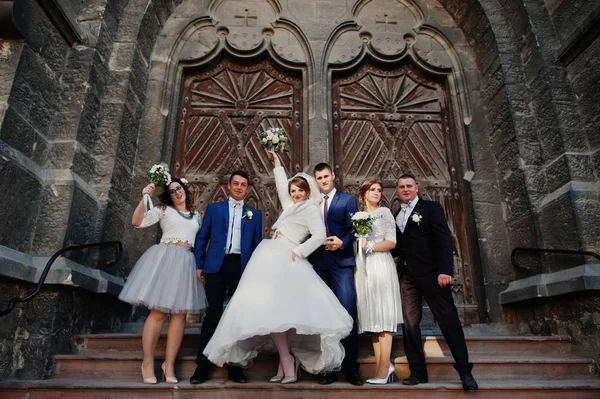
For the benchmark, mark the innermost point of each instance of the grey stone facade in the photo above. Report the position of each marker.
(80, 123)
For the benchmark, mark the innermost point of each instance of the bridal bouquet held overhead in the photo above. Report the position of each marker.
(273, 139)
(158, 175)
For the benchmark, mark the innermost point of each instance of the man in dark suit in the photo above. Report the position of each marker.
(230, 232)
(334, 262)
(425, 261)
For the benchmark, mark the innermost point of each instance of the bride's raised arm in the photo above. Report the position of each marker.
(281, 182)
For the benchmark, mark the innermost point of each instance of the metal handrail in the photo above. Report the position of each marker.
(13, 301)
(513, 255)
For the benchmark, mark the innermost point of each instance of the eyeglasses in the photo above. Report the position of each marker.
(175, 190)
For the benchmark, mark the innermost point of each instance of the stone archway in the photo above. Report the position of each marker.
(400, 104)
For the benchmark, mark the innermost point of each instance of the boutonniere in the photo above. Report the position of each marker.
(417, 218)
(248, 214)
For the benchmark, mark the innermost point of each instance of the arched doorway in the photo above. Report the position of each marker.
(224, 105)
(390, 119)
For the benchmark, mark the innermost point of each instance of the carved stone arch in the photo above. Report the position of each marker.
(399, 103)
(206, 55)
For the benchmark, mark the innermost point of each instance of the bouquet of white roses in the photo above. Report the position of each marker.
(273, 139)
(361, 223)
(159, 175)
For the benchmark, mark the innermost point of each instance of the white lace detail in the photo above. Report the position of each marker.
(174, 227)
(384, 227)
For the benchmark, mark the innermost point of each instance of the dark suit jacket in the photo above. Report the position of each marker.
(212, 236)
(339, 223)
(425, 248)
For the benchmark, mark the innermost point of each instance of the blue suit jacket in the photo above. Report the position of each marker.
(339, 223)
(212, 236)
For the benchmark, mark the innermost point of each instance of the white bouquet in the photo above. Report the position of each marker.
(159, 175)
(361, 223)
(273, 139)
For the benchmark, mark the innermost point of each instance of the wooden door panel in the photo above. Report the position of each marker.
(223, 108)
(390, 121)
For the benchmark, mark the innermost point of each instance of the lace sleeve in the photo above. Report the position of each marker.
(281, 183)
(153, 216)
(389, 225)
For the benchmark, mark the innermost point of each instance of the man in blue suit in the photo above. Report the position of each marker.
(334, 262)
(230, 232)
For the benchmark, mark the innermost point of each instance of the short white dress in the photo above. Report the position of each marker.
(376, 280)
(276, 294)
(164, 278)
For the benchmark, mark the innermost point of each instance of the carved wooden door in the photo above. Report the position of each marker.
(387, 122)
(223, 108)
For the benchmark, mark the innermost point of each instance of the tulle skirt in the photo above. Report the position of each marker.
(164, 278)
(377, 293)
(276, 294)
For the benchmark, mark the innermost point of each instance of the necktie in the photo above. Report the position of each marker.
(236, 204)
(325, 209)
(404, 208)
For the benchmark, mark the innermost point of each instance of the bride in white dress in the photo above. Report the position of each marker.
(281, 298)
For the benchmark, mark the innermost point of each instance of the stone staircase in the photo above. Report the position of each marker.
(108, 366)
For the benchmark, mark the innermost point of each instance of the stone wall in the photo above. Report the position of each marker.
(37, 330)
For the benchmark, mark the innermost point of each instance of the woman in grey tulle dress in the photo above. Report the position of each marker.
(377, 288)
(164, 278)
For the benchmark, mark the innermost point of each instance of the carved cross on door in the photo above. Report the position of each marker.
(386, 22)
(246, 16)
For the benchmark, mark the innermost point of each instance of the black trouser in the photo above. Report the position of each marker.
(218, 286)
(441, 303)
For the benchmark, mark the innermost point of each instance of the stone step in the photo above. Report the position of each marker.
(218, 389)
(127, 367)
(434, 346)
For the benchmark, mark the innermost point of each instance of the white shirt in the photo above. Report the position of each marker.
(234, 230)
(405, 212)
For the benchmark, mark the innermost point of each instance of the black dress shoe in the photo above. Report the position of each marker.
(328, 378)
(415, 380)
(236, 374)
(468, 382)
(354, 377)
(199, 376)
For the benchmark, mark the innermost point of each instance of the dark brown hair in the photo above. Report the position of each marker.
(321, 167)
(366, 186)
(241, 173)
(165, 197)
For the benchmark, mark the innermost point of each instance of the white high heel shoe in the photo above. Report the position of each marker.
(383, 381)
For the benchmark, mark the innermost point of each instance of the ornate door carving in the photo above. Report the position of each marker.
(392, 121)
(222, 108)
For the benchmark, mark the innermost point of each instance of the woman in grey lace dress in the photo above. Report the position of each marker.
(376, 280)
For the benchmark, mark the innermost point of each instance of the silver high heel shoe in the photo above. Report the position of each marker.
(383, 381)
(294, 378)
(276, 378)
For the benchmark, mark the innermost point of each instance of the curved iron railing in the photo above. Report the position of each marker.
(513, 255)
(13, 301)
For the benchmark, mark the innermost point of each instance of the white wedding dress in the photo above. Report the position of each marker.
(276, 294)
